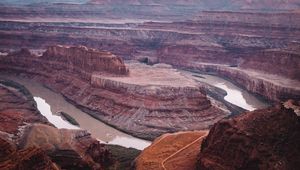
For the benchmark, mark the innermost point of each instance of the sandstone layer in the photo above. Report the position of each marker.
(254, 41)
(172, 151)
(28, 140)
(270, 86)
(145, 102)
(262, 139)
(131, 10)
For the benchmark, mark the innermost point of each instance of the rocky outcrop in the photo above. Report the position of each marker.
(87, 60)
(147, 102)
(17, 108)
(30, 158)
(286, 61)
(29, 141)
(70, 149)
(270, 86)
(247, 40)
(262, 139)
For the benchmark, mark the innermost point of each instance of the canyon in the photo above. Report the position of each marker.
(240, 46)
(28, 140)
(144, 101)
(213, 85)
(261, 139)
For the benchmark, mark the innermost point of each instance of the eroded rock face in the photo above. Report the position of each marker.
(262, 139)
(144, 102)
(87, 60)
(246, 40)
(29, 158)
(272, 87)
(28, 140)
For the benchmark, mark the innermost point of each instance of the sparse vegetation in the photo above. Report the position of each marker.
(199, 76)
(69, 118)
(124, 156)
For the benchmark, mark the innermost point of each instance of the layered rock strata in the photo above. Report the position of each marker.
(30, 158)
(270, 86)
(247, 40)
(29, 141)
(146, 103)
(262, 139)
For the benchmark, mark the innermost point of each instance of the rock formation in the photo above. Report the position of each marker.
(87, 60)
(28, 140)
(146, 101)
(272, 87)
(262, 139)
(30, 158)
(250, 41)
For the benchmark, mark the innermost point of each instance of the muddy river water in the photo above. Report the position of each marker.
(50, 103)
(235, 94)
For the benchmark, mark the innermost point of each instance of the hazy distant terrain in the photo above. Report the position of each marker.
(166, 10)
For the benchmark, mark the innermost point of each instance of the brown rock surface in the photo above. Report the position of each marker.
(271, 86)
(87, 60)
(70, 149)
(145, 103)
(172, 151)
(28, 140)
(17, 108)
(262, 139)
(247, 40)
(30, 158)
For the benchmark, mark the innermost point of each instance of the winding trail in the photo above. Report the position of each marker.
(180, 150)
(172, 151)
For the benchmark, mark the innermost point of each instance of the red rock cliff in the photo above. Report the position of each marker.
(145, 103)
(89, 60)
(28, 140)
(262, 139)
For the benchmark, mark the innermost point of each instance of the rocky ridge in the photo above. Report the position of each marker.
(254, 41)
(262, 139)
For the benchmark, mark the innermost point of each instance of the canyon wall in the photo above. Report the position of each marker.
(29, 141)
(145, 109)
(85, 59)
(252, 42)
(262, 139)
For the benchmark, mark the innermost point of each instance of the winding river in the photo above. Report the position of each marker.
(235, 94)
(50, 103)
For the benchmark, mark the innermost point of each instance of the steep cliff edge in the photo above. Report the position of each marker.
(144, 101)
(250, 40)
(270, 86)
(28, 140)
(30, 158)
(262, 139)
(88, 60)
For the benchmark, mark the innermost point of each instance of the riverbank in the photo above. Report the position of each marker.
(145, 109)
(54, 102)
